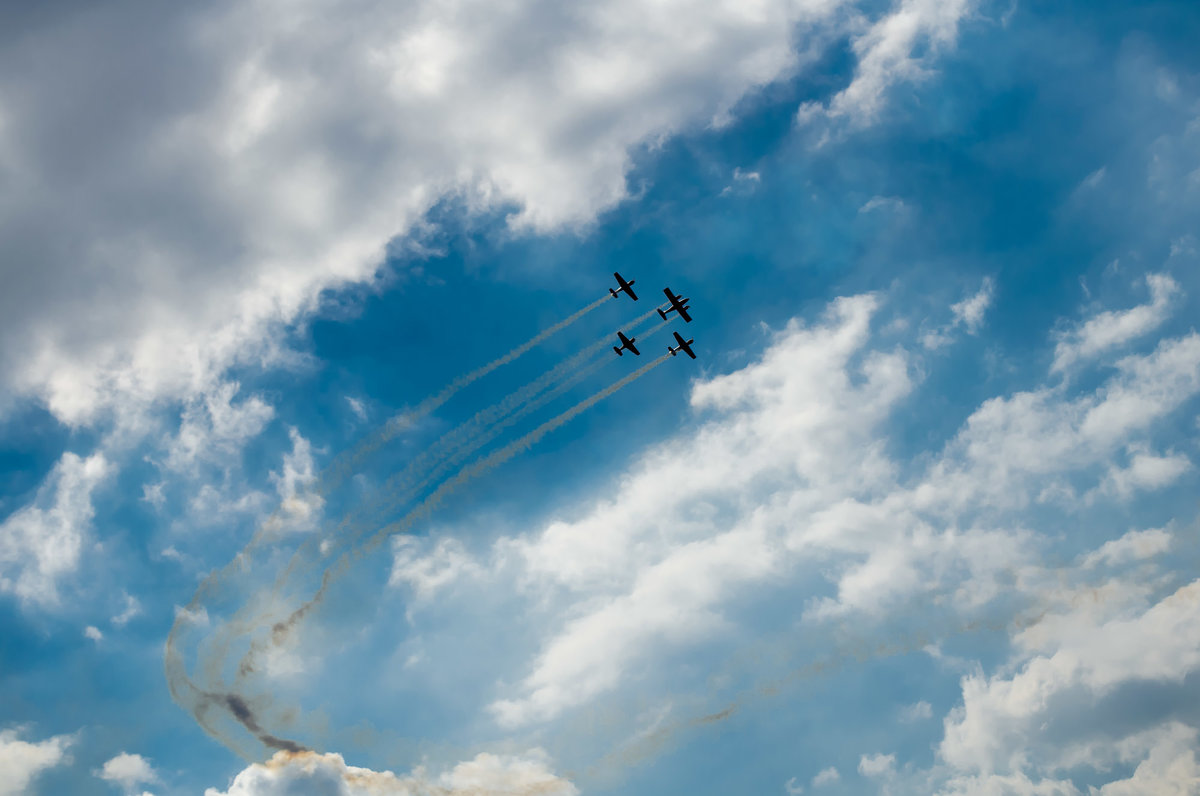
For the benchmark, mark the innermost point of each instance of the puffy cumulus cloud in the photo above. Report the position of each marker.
(787, 465)
(310, 773)
(1068, 663)
(1113, 328)
(128, 771)
(42, 542)
(1166, 762)
(21, 761)
(247, 156)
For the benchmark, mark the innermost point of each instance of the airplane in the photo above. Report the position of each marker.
(678, 304)
(627, 343)
(625, 287)
(684, 345)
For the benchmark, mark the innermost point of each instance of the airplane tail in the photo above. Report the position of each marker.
(613, 292)
(618, 351)
(663, 314)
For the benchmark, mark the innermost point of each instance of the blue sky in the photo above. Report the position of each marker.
(920, 518)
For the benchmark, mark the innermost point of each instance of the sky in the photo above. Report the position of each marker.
(318, 474)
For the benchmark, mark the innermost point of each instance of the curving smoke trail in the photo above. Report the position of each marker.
(344, 464)
(457, 445)
(280, 631)
(432, 464)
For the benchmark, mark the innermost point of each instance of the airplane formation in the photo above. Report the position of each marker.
(678, 305)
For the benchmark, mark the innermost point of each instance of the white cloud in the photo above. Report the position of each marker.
(916, 712)
(1069, 661)
(886, 56)
(21, 761)
(1133, 546)
(1167, 764)
(426, 574)
(128, 771)
(93, 633)
(298, 503)
(788, 464)
(1146, 471)
(225, 183)
(484, 775)
(877, 765)
(969, 312)
(214, 427)
(357, 407)
(1112, 328)
(42, 542)
(792, 788)
(877, 202)
(132, 609)
(826, 776)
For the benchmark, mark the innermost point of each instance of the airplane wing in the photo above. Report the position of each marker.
(632, 348)
(623, 338)
(684, 345)
(683, 313)
(623, 286)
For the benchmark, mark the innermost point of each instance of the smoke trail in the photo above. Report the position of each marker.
(336, 472)
(348, 462)
(173, 665)
(281, 630)
(450, 449)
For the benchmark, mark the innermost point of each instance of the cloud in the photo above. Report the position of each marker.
(21, 761)
(128, 771)
(213, 427)
(916, 712)
(225, 183)
(300, 505)
(877, 765)
(93, 633)
(744, 182)
(888, 54)
(1133, 546)
(426, 574)
(969, 313)
(1145, 472)
(327, 774)
(787, 463)
(1067, 664)
(132, 609)
(826, 776)
(43, 542)
(1110, 329)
